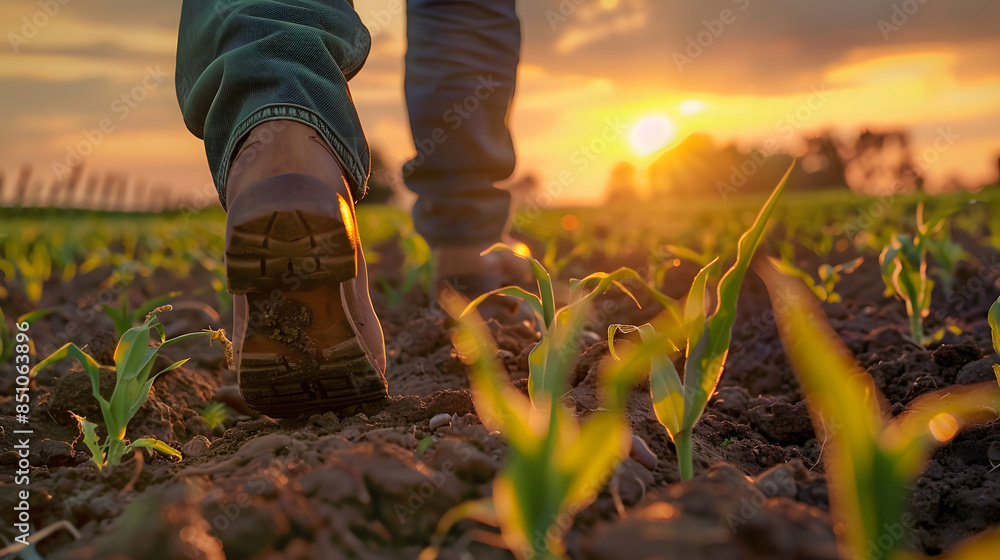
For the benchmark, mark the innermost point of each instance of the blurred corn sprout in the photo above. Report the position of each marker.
(679, 405)
(134, 359)
(125, 318)
(947, 254)
(556, 464)
(904, 271)
(8, 341)
(418, 266)
(215, 414)
(873, 459)
(994, 320)
(561, 327)
(829, 275)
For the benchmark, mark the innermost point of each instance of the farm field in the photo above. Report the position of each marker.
(374, 481)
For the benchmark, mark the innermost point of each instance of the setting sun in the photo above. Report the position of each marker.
(652, 134)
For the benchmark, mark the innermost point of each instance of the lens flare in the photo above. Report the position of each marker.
(652, 134)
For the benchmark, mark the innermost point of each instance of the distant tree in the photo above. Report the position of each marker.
(881, 163)
(622, 186)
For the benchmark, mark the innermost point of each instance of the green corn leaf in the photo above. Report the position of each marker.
(545, 291)
(499, 406)
(786, 267)
(709, 354)
(605, 280)
(90, 440)
(131, 351)
(994, 320)
(33, 316)
(729, 287)
(154, 445)
(665, 384)
(603, 442)
(552, 357)
(90, 365)
(694, 307)
(872, 460)
(512, 291)
(689, 255)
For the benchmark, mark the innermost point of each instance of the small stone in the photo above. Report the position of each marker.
(777, 481)
(103, 507)
(443, 419)
(980, 371)
(727, 475)
(590, 338)
(994, 453)
(55, 453)
(641, 453)
(196, 447)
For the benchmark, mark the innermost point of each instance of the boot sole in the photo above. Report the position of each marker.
(289, 247)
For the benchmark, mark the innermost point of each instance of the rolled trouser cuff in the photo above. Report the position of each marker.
(460, 211)
(355, 167)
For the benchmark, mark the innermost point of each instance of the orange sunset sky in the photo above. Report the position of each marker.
(764, 70)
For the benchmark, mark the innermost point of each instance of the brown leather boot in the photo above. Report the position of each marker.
(305, 336)
(471, 274)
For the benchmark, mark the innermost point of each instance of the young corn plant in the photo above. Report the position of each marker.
(133, 369)
(556, 464)
(8, 340)
(125, 318)
(561, 327)
(873, 459)
(215, 414)
(994, 320)
(828, 275)
(947, 254)
(678, 405)
(904, 271)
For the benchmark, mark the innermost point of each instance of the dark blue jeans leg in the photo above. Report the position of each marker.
(461, 63)
(244, 62)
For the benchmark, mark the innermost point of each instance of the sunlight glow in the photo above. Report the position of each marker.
(691, 106)
(652, 134)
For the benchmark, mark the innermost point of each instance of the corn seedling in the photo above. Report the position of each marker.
(947, 254)
(678, 405)
(215, 414)
(418, 267)
(994, 320)
(9, 341)
(125, 318)
(873, 459)
(134, 360)
(828, 275)
(555, 465)
(904, 271)
(561, 328)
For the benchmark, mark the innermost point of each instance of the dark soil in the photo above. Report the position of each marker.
(355, 485)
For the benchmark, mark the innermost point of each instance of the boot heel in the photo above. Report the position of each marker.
(286, 232)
